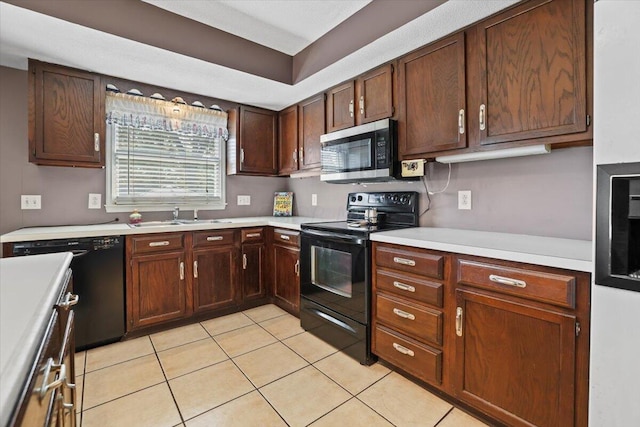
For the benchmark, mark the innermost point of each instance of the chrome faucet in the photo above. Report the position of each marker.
(176, 211)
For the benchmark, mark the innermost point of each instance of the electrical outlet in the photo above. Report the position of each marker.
(30, 201)
(95, 200)
(244, 200)
(464, 199)
(314, 200)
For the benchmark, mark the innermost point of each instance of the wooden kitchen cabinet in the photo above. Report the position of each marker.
(408, 309)
(311, 125)
(215, 270)
(366, 99)
(286, 269)
(288, 140)
(66, 116)
(432, 99)
(253, 264)
(533, 72)
(521, 343)
(156, 279)
(252, 148)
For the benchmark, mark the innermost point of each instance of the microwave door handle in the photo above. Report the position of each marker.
(340, 238)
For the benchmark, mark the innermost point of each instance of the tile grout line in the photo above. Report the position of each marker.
(444, 416)
(175, 402)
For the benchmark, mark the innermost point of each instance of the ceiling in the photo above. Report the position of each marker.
(268, 53)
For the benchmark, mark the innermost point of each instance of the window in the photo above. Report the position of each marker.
(162, 155)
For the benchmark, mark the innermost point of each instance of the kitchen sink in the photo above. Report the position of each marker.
(202, 221)
(171, 222)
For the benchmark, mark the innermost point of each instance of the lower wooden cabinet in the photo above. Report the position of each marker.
(214, 272)
(158, 289)
(286, 269)
(253, 264)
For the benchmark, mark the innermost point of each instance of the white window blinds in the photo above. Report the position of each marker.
(164, 154)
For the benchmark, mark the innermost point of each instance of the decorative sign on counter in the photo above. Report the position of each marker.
(283, 203)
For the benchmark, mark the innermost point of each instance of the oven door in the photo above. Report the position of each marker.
(335, 272)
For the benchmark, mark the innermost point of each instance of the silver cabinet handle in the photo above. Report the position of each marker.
(181, 270)
(362, 105)
(351, 108)
(96, 142)
(459, 321)
(404, 287)
(242, 155)
(214, 238)
(403, 314)
(295, 156)
(301, 155)
(296, 268)
(195, 269)
(254, 235)
(404, 261)
(461, 122)
(162, 243)
(69, 301)
(483, 113)
(285, 237)
(62, 378)
(402, 349)
(508, 281)
(244, 261)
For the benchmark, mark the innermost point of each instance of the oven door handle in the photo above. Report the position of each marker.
(336, 237)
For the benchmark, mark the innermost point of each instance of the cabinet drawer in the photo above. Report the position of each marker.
(409, 287)
(157, 243)
(419, 322)
(535, 285)
(410, 259)
(287, 237)
(252, 235)
(213, 238)
(417, 359)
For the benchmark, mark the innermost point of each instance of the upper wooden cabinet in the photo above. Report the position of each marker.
(532, 68)
(432, 98)
(311, 124)
(66, 116)
(288, 140)
(368, 98)
(252, 148)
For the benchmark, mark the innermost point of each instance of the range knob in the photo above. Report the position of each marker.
(353, 199)
(359, 198)
(404, 200)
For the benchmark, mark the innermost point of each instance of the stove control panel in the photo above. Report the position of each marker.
(392, 199)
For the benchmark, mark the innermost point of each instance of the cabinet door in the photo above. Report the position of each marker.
(375, 95)
(65, 117)
(514, 361)
(158, 288)
(258, 141)
(253, 262)
(432, 99)
(288, 140)
(214, 278)
(286, 262)
(311, 124)
(532, 63)
(341, 107)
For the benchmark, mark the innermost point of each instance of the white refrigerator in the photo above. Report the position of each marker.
(615, 329)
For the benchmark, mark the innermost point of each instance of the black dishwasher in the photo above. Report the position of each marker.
(98, 280)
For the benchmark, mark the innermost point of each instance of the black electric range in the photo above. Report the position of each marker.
(335, 273)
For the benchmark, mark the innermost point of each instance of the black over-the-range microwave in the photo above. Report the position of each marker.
(365, 153)
(618, 226)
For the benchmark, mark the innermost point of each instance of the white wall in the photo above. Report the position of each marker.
(615, 327)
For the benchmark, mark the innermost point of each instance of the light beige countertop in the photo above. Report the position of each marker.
(122, 229)
(29, 288)
(548, 251)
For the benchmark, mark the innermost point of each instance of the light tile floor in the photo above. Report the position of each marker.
(255, 368)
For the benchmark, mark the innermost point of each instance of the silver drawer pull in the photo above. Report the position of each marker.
(253, 235)
(402, 349)
(163, 243)
(62, 378)
(214, 238)
(507, 281)
(404, 287)
(195, 269)
(181, 270)
(285, 237)
(404, 261)
(403, 314)
(69, 300)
